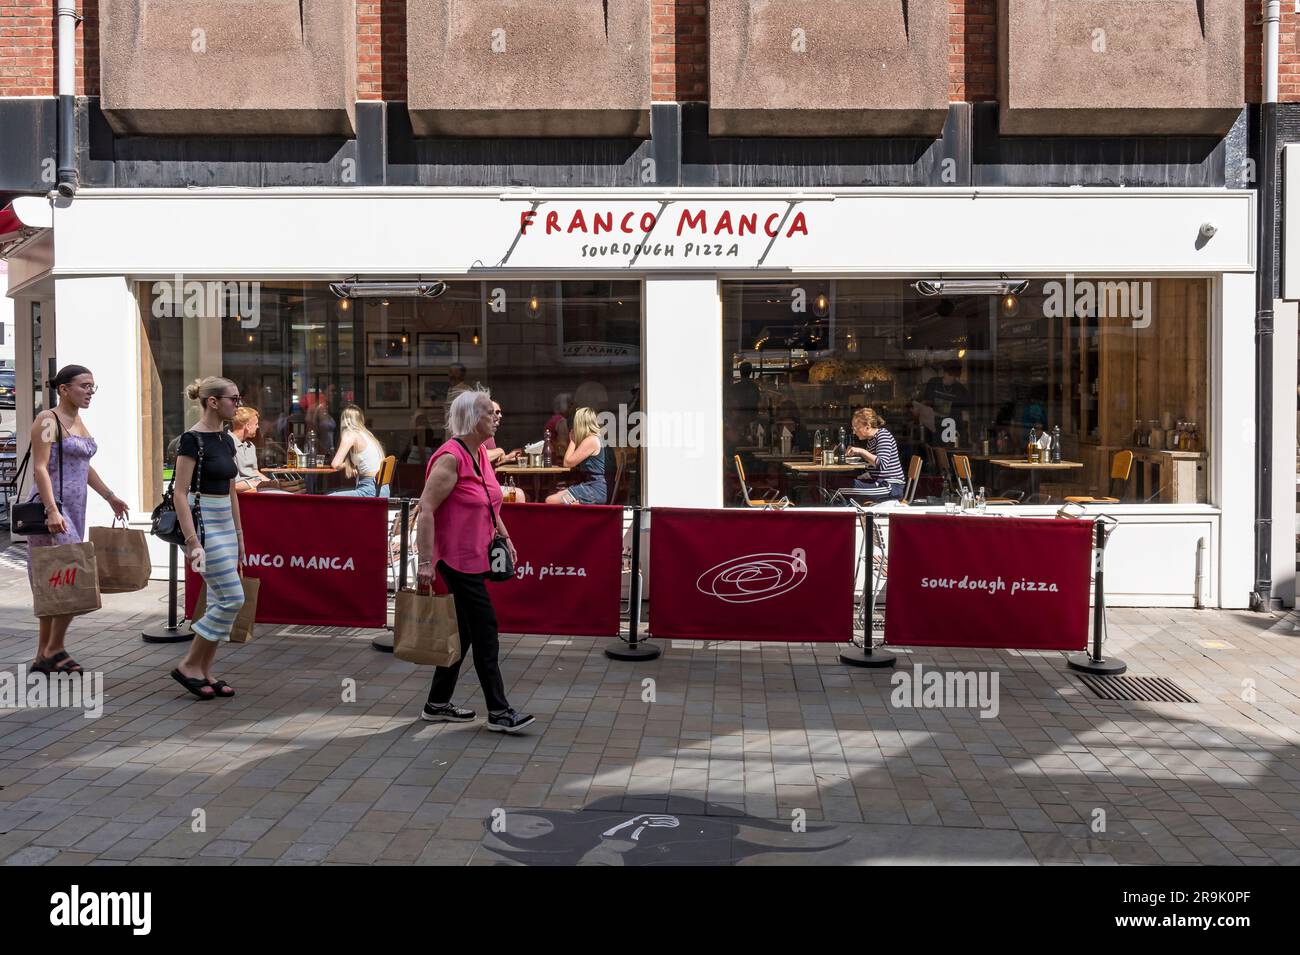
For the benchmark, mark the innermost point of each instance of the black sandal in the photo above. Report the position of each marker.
(218, 686)
(72, 666)
(194, 685)
(40, 665)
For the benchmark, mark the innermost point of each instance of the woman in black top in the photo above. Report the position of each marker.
(205, 465)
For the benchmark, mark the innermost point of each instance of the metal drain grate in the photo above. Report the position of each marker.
(1142, 689)
(305, 631)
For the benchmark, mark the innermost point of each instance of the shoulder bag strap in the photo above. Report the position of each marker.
(27, 456)
(487, 494)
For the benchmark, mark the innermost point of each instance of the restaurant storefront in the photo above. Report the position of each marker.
(699, 326)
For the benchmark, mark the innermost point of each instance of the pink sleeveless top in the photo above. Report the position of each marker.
(462, 526)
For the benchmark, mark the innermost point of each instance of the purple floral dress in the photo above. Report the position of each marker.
(76, 452)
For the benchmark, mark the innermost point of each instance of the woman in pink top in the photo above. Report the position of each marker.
(460, 510)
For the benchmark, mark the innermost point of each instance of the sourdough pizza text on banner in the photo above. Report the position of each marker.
(751, 575)
(321, 560)
(1004, 582)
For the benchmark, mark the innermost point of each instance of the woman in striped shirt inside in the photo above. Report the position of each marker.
(883, 478)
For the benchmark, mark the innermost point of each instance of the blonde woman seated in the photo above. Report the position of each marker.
(243, 428)
(359, 454)
(586, 455)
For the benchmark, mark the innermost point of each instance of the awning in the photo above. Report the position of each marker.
(24, 216)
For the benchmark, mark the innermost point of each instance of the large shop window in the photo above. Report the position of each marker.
(1115, 369)
(300, 356)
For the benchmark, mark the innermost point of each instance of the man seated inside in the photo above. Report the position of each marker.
(243, 428)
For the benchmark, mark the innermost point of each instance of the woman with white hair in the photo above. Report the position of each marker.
(460, 512)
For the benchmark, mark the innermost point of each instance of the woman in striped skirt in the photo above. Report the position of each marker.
(214, 543)
(883, 478)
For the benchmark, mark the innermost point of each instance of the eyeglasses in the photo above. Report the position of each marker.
(90, 389)
(237, 399)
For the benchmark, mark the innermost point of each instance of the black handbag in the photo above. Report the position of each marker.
(500, 566)
(29, 517)
(164, 524)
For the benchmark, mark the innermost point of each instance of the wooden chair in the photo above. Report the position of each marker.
(386, 471)
(1121, 468)
(620, 457)
(772, 499)
(961, 464)
(913, 477)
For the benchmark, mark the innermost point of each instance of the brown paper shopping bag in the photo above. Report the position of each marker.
(425, 630)
(242, 629)
(65, 581)
(122, 557)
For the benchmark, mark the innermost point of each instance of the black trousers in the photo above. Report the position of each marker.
(478, 632)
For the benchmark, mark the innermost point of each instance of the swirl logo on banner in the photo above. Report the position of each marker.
(754, 577)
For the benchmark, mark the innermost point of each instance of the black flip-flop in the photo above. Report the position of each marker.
(54, 661)
(218, 686)
(193, 685)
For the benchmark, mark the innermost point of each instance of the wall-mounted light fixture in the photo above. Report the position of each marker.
(355, 288)
(935, 287)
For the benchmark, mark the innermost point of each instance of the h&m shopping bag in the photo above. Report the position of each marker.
(241, 631)
(65, 580)
(122, 557)
(425, 629)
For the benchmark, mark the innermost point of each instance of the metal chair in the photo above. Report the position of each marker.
(1121, 467)
(773, 499)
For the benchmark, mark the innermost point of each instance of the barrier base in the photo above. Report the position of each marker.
(166, 634)
(642, 651)
(1102, 667)
(383, 643)
(861, 658)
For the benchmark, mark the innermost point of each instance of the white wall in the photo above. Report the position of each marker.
(1232, 458)
(683, 391)
(6, 318)
(1285, 333)
(99, 327)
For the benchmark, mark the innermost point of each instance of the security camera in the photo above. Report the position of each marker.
(1208, 229)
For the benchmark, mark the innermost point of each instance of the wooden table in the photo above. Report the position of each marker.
(524, 470)
(1020, 464)
(821, 470)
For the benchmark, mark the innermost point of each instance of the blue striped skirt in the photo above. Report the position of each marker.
(220, 569)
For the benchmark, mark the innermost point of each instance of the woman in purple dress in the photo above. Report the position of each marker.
(61, 453)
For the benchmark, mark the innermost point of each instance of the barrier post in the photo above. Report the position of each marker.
(384, 642)
(1094, 662)
(868, 656)
(174, 631)
(634, 649)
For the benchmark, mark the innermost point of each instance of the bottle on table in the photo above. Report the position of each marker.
(817, 447)
(1056, 444)
(1031, 449)
(842, 450)
(981, 502)
(546, 449)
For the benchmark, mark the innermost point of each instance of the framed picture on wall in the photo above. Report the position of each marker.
(435, 349)
(388, 350)
(388, 391)
(431, 390)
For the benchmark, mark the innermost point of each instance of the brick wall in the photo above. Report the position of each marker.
(680, 54)
(27, 48)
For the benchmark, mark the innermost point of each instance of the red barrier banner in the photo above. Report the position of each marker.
(321, 560)
(751, 575)
(569, 575)
(997, 582)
